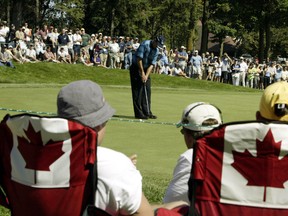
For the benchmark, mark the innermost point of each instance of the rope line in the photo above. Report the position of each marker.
(114, 118)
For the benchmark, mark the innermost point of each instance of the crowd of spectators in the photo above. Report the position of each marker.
(78, 47)
(240, 71)
(65, 46)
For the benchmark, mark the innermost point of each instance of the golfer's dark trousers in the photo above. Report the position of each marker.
(138, 93)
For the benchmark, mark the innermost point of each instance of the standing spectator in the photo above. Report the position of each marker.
(257, 76)
(225, 68)
(196, 63)
(211, 67)
(278, 74)
(5, 26)
(243, 71)
(63, 40)
(269, 72)
(121, 51)
(20, 36)
(218, 72)
(173, 56)
(285, 73)
(93, 40)
(70, 46)
(2, 35)
(85, 38)
(44, 33)
(11, 37)
(163, 64)
(143, 63)
(261, 69)
(53, 39)
(103, 51)
(128, 53)
(135, 45)
(236, 72)
(251, 75)
(182, 58)
(28, 33)
(77, 41)
(197, 119)
(113, 53)
(206, 59)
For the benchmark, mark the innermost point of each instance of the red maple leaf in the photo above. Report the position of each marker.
(265, 169)
(37, 155)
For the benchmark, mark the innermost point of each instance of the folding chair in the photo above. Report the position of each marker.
(241, 169)
(47, 166)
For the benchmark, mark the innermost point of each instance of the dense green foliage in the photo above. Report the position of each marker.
(259, 27)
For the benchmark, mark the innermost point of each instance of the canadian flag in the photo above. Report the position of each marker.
(44, 164)
(242, 169)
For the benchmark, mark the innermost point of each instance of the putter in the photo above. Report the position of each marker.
(146, 97)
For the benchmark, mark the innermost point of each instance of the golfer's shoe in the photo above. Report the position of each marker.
(151, 116)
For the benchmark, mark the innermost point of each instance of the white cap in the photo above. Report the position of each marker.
(196, 113)
(183, 47)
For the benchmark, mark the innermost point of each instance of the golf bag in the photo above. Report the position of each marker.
(241, 169)
(47, 166)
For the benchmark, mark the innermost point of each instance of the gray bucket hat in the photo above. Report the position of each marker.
(83, 101)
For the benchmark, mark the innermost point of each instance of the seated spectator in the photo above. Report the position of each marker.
(49, 55)
(19, 53)
(5, 58)
(63, 56)
(10, 55)
(119, 187)
(177, 71)
(85, 57)
(31, 54)
(39, 48)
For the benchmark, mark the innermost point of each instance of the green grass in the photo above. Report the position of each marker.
(157, 143)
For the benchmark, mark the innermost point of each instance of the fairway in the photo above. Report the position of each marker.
(157, 143)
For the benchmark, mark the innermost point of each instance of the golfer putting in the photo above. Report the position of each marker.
(143, 63)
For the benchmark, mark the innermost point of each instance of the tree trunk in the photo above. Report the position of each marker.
(17, 15)
(261, 43)
(37, 11)
(205, 31)
(112, 26)
(267, 38)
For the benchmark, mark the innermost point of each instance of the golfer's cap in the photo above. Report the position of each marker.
(82, 29)
(183, 47)
(84, 101)
(195, 51)
(160, 41)
(274, 102)
(195, 114)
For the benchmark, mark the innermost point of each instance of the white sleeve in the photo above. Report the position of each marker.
(119, 189)
(178, 186)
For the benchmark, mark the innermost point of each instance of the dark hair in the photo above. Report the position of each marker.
(199, 134)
